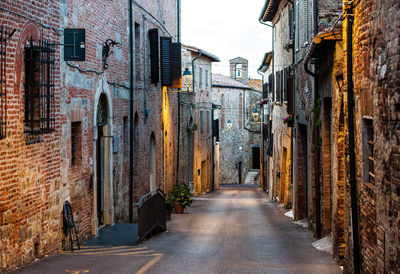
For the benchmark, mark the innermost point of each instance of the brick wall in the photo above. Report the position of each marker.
(30, 206)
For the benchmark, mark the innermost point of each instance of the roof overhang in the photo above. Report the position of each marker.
(266, 62)
(204, 53)
(269, 10)
(320, 43)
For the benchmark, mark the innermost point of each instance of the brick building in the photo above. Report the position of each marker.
(345, 181)
(239, 132)
(66, 126)
(30, 149)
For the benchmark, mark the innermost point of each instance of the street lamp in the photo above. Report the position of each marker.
(187, 79)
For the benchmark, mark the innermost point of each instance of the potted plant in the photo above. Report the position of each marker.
(289, 120)
(169, 206)
(180, 197)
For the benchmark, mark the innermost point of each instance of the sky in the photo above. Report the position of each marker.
(227, 29)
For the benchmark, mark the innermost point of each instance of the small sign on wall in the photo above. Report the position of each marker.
(115, 144)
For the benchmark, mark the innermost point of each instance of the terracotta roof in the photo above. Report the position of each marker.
(219, 80)
(256, 84)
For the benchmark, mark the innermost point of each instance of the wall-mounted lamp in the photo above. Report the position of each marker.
(187, 79)
(229, 124)
(339, 78)
(256, 115)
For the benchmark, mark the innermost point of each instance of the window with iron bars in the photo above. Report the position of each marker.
(39, 90)
(3, 83)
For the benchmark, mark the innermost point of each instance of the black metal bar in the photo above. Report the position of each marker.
(352, 156)
(151, 214)
(131, 63)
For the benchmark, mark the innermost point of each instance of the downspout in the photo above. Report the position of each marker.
(350, 121)
(144, 69)
(178, 10)
(194, 75)
(131, 48)
(273, 85)
(318, 156)
(262, 136)
(315, 137)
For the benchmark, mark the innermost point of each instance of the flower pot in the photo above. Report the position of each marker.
(168, 213)
(178, 208)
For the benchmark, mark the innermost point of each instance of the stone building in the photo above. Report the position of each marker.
(239, 132)
(196, 166)
(280, 102)
(345, 172)
(72, 135)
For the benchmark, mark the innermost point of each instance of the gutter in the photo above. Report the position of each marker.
(130, 2)
(194, 75)
(350, 120)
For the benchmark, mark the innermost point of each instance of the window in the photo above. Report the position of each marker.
(271, 86)
(76, 144)
(138, 68)
(3, 83)
(206, 78)
(39, 90)
(222, 111)
(297, 20)
(125, 137)
(201, 121)
(208, 121)
(368, 151)
(201, 77)
(154, 56)
(291, 23)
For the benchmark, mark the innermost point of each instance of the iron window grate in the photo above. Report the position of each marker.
(39, 89)
(3, 82)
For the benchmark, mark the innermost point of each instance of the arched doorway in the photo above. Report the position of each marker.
(153, 163)
(103, 205)
(101, 122)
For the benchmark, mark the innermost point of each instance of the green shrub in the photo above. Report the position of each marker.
(180, 194)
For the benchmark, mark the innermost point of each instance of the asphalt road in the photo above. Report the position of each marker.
(232, 230)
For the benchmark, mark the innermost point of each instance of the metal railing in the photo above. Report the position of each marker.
(151, 214)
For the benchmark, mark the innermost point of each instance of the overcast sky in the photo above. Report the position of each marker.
(227, 29)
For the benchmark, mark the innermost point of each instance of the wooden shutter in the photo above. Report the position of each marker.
(165, 60)
(176, 65)
(154, 57)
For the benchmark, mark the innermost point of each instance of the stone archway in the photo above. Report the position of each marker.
(103, 204)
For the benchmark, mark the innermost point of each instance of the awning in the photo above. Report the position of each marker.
(321, 41)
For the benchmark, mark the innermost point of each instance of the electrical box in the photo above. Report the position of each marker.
(74, 45)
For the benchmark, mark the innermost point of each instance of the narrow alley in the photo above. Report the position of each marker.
(236, 229)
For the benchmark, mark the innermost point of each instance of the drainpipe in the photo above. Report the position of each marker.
(194, 75)
(262, 135)
(144, 69)
(178, 10)
(350, 121)
(273, 75)
(131, 49)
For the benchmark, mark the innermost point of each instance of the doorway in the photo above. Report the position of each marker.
(204, 175)
(256, 157)
(153, 163)
(100, 176)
